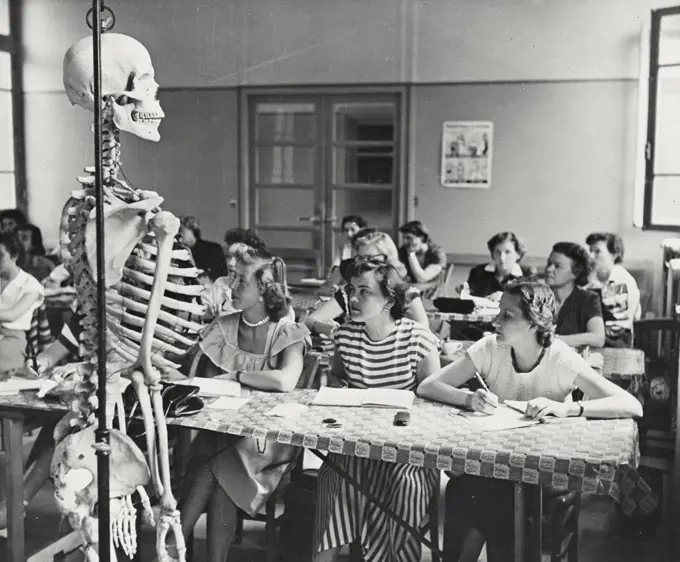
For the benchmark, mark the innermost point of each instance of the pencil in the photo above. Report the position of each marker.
(481, 381)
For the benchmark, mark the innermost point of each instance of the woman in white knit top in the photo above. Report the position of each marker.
(521, 361)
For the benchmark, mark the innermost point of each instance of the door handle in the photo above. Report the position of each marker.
(331, 219)
(313, 220)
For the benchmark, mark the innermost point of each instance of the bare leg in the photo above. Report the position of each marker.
(329, 555)
(472, 546)
(222, 518)
(197, 498)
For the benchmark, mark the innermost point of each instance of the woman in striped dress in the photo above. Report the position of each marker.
(377, 348)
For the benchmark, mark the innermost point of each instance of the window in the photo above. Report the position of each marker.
(12, 161)
(661, 209)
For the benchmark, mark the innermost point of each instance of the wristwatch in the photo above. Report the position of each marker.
(238, 376)
(580, 409)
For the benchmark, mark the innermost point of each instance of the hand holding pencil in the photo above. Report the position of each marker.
(483, 400)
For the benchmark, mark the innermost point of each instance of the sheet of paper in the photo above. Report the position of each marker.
(328, 396)
(290, 411)
(518, 405)
(502, 418)
(213, 387)
(14, 385)
(227, 403)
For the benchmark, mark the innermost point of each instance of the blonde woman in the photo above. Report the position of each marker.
(380, 248)
(260, 347)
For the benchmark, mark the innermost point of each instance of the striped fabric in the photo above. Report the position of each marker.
(39, 336)
(343, 514)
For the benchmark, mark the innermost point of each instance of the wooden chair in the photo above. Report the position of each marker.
(308, 380)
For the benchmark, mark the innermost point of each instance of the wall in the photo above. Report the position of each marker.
(557, 77)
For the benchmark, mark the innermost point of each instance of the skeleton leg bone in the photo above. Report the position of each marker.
(165, 226)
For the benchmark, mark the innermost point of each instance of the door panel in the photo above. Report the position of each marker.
(315, 159)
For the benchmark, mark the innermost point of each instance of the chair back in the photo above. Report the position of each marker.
(310, 370)
(447, 288)
(659, 338)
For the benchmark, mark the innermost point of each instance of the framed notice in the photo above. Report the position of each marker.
(466, 154)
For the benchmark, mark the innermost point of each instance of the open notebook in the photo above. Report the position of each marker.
(14, 385)
(369, 398)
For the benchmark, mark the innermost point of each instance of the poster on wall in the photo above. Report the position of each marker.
(466, 154)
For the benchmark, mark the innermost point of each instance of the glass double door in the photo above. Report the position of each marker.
(315, 159)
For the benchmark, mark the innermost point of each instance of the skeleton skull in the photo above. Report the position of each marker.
(127, 77)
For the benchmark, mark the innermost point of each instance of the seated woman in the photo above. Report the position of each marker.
(378, 246)
(377, 348)
(34, 262)
(489, 280)
(579, 317)
(20, 295)
(619, 290)
(424, 260)
(351, 224)
(37, 471)
(522, 361)
(260, 348)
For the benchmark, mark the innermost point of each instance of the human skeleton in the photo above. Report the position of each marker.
(152, 307)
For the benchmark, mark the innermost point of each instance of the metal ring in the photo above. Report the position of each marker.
(108, 19)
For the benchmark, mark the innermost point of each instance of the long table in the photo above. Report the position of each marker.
(596, 456)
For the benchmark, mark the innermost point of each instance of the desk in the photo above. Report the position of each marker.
(481, 315)
(597, 456)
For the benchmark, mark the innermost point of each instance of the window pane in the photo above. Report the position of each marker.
(4, 17)
(284, 207)
(374, 205)
(667, 142)
(669, 40)
(363, 121)
(666, 201)
(286, 122)
(6, 133)
(7, 193)
(5, 70)
(363, 165)
(284, 164)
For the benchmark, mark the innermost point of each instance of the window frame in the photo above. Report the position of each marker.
(13, 44)
(652, 116)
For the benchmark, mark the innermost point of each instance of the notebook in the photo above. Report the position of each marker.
(368, 398)
(213, 387)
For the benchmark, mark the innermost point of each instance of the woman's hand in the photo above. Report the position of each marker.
(538, 408)
(484, 401)
(228, 376)
(38, 369)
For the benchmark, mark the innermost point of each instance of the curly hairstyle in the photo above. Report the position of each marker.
(13, 245)
(356, 219)
(37, 245)
(613, 241)
(537, 303)
(417, 228)
(392, 284)
(581, 261)
(507, 236)
(269, 272)
(190, 223)
(382, 242)
(244, 236)
(14, 214)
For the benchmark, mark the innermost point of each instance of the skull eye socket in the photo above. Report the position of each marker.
(123, 100)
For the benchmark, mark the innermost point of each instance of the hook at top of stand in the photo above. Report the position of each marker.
(108, 19)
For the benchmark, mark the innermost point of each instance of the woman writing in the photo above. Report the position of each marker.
(521, 361)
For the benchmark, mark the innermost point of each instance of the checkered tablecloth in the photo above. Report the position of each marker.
(597, 456)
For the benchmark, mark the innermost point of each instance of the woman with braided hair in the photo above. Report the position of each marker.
(521, 361)
(260, 347)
